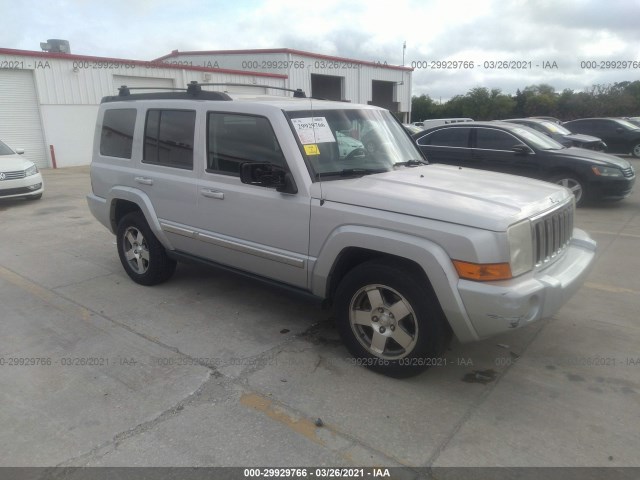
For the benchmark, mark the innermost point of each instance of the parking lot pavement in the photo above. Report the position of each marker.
(211, 369)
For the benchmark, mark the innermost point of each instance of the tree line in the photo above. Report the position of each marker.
(620, 99)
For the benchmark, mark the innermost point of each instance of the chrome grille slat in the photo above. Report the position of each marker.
(14, 175)
(552, 233)
(628, 172)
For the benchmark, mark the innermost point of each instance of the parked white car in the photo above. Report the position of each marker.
(19, 177)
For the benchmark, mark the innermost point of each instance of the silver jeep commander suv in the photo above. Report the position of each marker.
(407, 253)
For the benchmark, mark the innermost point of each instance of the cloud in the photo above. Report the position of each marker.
(568, 33)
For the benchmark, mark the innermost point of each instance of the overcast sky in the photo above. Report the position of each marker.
(565, 32)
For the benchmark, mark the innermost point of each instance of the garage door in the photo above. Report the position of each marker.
(20, 125)
(131, 81)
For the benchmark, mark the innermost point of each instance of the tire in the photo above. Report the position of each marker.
(573, 183)
(141, 253)
(635, 151)
(389, 319)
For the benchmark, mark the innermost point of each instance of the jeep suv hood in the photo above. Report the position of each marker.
(477, 198)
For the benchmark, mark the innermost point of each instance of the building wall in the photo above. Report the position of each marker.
(298, 67)
(69, 90)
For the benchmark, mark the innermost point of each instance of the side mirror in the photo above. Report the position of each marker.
(20, 151)
(521, 149)
(267, 175)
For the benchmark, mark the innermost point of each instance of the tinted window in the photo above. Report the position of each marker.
(491, 139)
(581, 126)
(447, 137)
(607, 127)
(168, 138)
(116, 138)
(234, 139)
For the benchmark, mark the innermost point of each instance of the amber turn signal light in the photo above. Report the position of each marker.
(483, 272)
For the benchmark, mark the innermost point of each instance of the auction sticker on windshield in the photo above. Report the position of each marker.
(313, 130)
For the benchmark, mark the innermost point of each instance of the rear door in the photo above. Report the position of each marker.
(449, 145)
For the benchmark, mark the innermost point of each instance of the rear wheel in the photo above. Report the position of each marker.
(573, 183)
(636, 150)
(389, 319)
(141, 253)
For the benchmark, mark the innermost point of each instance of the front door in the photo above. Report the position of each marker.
(250, 227)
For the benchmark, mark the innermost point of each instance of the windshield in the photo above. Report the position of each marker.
(4, 150)
(555, 128)
(627, 124)
(537, 140)
(352, 142)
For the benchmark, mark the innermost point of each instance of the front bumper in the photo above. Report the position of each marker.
(496, 307)
(612, 188)
(22, 187)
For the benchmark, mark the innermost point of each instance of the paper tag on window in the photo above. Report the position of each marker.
(313, 130)
(311, 150)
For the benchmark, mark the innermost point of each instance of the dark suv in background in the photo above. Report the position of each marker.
(621, 136)
(519, 150)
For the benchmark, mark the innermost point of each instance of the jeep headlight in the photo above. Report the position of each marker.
(521, 247)
(32, 170)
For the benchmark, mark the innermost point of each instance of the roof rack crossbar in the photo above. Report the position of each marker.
(124, 90)
(297, 92)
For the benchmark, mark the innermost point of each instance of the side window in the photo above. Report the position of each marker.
(582, 126)
(607, 127)
(491, 139)
(447, 137)
(168, 138)
(116, 139)
(233, 139)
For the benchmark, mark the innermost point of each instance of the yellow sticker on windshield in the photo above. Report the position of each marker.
(311, 150)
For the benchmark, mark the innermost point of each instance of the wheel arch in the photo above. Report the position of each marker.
(343, 251)
(124, 200)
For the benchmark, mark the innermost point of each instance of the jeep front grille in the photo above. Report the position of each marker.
(552, 233)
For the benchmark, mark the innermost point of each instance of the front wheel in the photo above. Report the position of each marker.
(573, 183)
(389, 319)
(635, 151)
(141, 253)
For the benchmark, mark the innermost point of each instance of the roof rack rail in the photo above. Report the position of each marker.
(297, 93)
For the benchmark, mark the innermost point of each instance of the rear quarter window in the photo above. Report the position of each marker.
(116, 139)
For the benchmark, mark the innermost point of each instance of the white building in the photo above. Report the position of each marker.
(320, 76)
(49, 101)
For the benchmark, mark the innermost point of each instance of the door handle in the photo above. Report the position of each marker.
(144, 180)
(212, 194)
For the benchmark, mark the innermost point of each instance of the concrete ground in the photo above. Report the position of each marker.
(211, 369)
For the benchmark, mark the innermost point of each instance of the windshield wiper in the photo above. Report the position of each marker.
(348, 172)
(410, 163)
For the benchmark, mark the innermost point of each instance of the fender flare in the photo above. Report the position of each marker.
(143, 202)
(429, 256)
